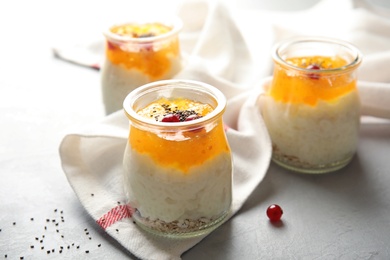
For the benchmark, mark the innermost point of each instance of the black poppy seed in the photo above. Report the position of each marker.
(87, 251)
(14, 223)
(56, 224)
(60, 251)
(62, 217)
(55, 210)
(21, 257)
(62, 236)
(53, 220)
(61, 247)
(32, 219)
(42, 247)
(68, 247)
(41, 241)
(62, 220)
(85, 229)
(36, 238)
(31, 246)
(78, 247)
(87, 233)
(43, 236)
(99, 245)
(133, 222)
(117, 230)
(47, 220)
(48, 251)
(57, 230)
(72, 244)
(62, 211)
(90, 238)
(92, 194)
(53, 250)
(119, 202)
(45, 228)
(5, 256)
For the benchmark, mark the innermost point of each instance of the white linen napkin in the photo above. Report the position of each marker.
(218, 54)
(92, 156)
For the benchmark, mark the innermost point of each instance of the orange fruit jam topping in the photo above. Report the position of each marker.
(289, 86)
(184, 148)
(150, 59)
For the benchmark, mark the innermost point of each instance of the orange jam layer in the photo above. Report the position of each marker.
(309, 88)
(190, 148)
(154, 62)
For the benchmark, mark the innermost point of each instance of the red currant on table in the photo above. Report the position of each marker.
(274, 212)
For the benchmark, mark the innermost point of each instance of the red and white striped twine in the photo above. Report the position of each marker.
(115, 214)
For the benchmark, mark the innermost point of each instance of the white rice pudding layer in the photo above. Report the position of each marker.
(167, 194)
(313, 135)
(117, 81)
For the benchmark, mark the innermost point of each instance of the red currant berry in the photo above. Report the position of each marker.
(170, 118)
(274, 212)
(192, 117)
(313, 67)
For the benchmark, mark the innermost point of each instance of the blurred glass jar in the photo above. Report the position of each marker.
(137, 53)
(312, 106)
(177, 174)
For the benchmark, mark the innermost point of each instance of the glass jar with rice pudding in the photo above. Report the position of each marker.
(137, 52)
(177, 163)
(311, 107)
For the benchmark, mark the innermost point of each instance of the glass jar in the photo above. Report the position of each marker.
(312, 106)
(138, 52)
(177, 175)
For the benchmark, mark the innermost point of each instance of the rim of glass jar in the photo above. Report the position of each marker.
(278, 48)
(172, 21)
(190, 85)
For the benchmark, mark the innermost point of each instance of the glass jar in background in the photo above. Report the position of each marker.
(177, 163)
(137, 53)
(312, 106)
